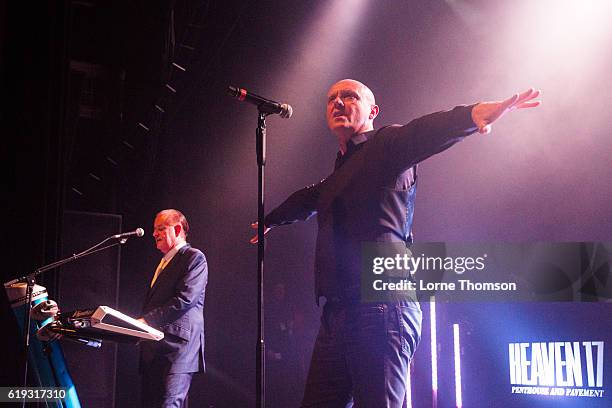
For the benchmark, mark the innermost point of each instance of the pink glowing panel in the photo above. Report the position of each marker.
(434, 353)
(457, 352)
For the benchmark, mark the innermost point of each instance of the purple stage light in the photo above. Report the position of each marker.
(434, 353)
(409, 389)
(457, 352)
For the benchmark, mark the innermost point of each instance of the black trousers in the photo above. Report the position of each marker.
(362, 354)
(161, 389)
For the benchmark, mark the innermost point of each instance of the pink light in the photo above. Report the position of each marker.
(457, 352)
(409, 388)
(434, 353)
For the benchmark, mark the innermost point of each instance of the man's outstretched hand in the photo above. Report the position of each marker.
(254, 239)
(485, 113)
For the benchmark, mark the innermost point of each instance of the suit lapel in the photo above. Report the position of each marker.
(164, 275)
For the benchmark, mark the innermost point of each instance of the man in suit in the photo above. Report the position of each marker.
(175, 305)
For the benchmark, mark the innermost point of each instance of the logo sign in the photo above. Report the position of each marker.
(559, 368)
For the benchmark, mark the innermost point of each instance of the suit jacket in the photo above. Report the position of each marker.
(175, 305)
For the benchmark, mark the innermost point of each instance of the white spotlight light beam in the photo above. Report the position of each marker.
(457, 352)
(434, 353)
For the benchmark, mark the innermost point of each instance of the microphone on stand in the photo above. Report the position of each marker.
(139, 232)
(265, 105)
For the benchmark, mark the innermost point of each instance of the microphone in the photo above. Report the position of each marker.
(95, 343)
(139, 232)
(264, 105)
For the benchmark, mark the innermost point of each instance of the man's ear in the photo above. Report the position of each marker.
(177, 229)
(373, 112)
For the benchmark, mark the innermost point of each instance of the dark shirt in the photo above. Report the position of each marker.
(370, 196)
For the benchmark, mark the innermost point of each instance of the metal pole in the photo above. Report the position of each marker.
(261, 346)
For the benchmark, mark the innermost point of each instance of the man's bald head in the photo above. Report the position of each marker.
(366, 92)
(351, 109)
(170, 228)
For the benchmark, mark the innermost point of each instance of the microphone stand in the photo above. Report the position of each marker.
(261, 345)
(30, 281)
(264, 109)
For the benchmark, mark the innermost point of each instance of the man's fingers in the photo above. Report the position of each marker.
(523, 97)
(535, 94)
(526, 94)
(255, 239)
(528, 105)
(485, 113)
(509, 102)
(484, 130)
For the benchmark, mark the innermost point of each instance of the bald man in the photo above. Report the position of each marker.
(174, 304)
(363, 350)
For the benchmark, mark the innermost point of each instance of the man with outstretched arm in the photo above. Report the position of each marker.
(363, 350)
